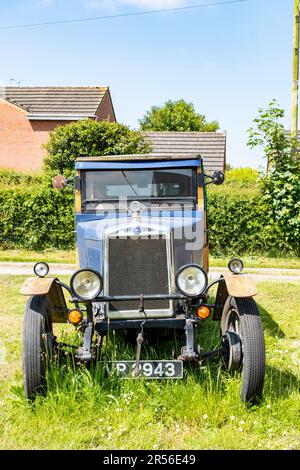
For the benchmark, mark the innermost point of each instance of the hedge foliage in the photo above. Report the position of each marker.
(37, 217)
(13, 178)
(240, 223)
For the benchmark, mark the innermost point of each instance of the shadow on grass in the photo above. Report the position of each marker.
(270, 324)
(279, 383)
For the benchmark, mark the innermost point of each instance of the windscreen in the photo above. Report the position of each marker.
(150, 184)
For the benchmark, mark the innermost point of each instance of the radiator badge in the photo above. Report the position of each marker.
(137, 230)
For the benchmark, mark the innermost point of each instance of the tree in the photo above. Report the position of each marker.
(269, 133)
(89, 138)
(177, 116)
(281, 182)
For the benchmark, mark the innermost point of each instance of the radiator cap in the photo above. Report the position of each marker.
(135, 206)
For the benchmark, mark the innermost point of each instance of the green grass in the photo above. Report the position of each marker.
(202, 411)
(259, 262)
(49, 256)
(69, 256)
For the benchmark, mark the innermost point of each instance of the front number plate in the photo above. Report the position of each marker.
(149, 369)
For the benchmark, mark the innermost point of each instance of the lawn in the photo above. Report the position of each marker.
(69, 256)
(202, 411)
(259, 262)
(49, 256)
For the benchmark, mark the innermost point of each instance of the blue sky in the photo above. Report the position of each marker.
(228, 60)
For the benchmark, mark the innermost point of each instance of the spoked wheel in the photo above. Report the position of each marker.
(244, 345)
(37, 345)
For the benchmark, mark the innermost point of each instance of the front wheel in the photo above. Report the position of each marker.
(37, 345)
(240, 319)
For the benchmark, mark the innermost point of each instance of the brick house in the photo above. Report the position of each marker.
(27, 115)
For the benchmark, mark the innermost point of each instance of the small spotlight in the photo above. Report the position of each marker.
(41, 269)
(203, 312)
(75, 316)
(236, 266)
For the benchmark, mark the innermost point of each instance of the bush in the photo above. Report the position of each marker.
(242, 177)
(36, 218)
(282, 194)
(239, 223)
(281, 183)
(89, 138)
(11, 178)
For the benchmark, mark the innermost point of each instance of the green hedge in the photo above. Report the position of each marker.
(240, 223)
(37, 217)
(12, 178)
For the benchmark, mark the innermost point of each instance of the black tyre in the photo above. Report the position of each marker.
(37, 345)
(241, 317)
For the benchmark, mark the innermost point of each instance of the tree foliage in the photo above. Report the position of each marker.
(89, 138)
(176, 116)
(281, 183)
(268, 132)
(241, 177)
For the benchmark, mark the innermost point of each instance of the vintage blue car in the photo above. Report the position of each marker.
(142, 239)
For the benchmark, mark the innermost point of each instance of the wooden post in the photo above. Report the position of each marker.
(295, 71)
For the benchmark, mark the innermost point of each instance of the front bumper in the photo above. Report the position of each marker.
(103, 325)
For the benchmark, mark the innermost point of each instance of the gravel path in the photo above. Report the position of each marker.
(260, 274)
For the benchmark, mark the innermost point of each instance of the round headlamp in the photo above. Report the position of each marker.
(86, 284)
(41, 269)
(191, 280)
(236, 265)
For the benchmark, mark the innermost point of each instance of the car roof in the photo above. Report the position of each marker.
(141, 157)
(136, 162)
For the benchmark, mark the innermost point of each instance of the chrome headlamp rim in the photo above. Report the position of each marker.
(235, 260)
(89, 298)
(46, 265)
(192, 265)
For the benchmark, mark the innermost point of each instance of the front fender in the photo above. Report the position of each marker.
(55, 296)
(234, 285)
(37, 285)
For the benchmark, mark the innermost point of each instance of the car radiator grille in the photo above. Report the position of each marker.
(138, 266)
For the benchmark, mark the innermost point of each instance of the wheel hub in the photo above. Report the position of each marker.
(232, 351)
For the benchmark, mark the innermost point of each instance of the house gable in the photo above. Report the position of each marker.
(13, 105)
(106, 110)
